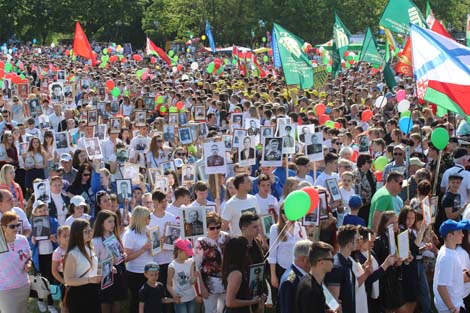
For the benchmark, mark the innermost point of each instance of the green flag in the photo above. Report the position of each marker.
(399, 14)
(296, 66)
(389, 76)
(336, 68)
(341, 36)
(369, 52)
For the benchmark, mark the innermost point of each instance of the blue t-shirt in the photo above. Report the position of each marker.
(353, 220)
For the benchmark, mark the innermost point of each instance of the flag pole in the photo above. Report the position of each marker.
(437, 172)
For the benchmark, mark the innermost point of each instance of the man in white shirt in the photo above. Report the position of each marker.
(267, 204)
(6, 204)
(57, 117)
(137, 155)
(88, 135)
(182, 199)
(238, 204)
(448, 282)
(460, 162)
(331, 168)
(108, 147)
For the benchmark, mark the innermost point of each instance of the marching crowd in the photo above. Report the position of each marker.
(182, 208)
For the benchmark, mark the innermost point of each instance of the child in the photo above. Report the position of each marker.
(347, 191)
(42, 249)
(63, 234)
(151, 294)
(182, 276)
(355, 203)
(78, 209)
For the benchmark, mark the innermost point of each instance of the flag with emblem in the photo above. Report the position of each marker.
(153, 49)
(434, 24)
(399, 14)
(341, 36)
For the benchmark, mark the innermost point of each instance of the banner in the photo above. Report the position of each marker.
(321, 76)
(341, 36)
(210, 37)
(297, 67)
(399, 14)
(276, 56)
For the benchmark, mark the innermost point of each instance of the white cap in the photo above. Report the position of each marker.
(78, 200)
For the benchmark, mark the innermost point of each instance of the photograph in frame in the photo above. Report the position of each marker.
(123, 190)
(185, 136)
(3, 242)
(167, 166)
(193, 222)
(267, 221)
(265, 132)
(33, 107)
(140, 118)
(93, 148)
(313, 148)
(188, 173)
(92, 117)
(288, 140)
(23, 90)
(172, 233)
(227, 139)
(114, 249)
(131, 171)
(214, 157)
(115, 124)
(256, 279)
(100, 131)
(272, 152)
(41, 227)
(62, 142)
(236, 121)
(237, 138)
(173, 119)
(42, 191)
(154, 236)
(152, 173)
(323, 206)
(149, 103)
(56, 92)
(107, 278)
(252, 126)
(247, 152)
(199, 113)
(169, 133)
(333, 188)
(161, 183)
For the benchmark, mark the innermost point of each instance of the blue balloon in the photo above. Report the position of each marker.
(328, 110)
(405, 124)
(35, 40)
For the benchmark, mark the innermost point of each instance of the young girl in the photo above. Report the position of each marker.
(63, 234)
(42, 250)
(78, 209)
(347, 191)
(105, 227)
(182, 276)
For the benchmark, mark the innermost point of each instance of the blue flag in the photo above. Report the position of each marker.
(276, 56)
(210, 37)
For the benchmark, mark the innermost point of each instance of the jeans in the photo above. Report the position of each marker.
(424, 292)
(214, 303)
(185, 307)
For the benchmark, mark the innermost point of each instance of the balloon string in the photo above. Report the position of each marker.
(276, 241)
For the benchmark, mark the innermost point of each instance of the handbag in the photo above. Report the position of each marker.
(56, 293)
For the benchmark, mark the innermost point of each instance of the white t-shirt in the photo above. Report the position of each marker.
(282, 252)
(307, 178)
(70, 219)
(233, 211)
(321, 179)
(346, 195)
(264, 204)
(465, 262)
(135, 241)
(448, 273)
(175, 211)
(181, 278)
(22, 218)
(165, 256)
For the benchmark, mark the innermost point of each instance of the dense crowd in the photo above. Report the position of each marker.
(164, 189)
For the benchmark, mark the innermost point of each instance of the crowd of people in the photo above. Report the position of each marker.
(161, 189)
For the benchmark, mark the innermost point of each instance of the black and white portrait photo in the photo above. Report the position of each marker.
(199, 113)
(266, 131)
(236, 121)
(173, 118)
(154, 235)
(238, 135)
(161, 183)
(100, 131)
(288, 141)
(172, 233)
(115, 124)
(252, 126)
(140, 118)
(6, 89)
(149, 103)
(33, 107)
(140, 144)
(272, 153)
(68, 91)
(314, 146)
(364, 144)
(124, 190)
(184, 134)
(114, 107)
(193, 222)
(227, 139)
(107, 278)
(167, 166)
(203, 130)
(188, 173)
(114, 249)
(42, 191)
(152, 174)
(169, 132)
(61, 75)
(333, 188)
(247, 152)
(214, 155)
(92, 118)
(93, 148)
(56, 92)
(281, 126)
(62, 141)
(256, 280)
(41, 227)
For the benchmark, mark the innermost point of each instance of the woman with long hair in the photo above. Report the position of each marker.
(7, 181)
(157, 152)
(79, 158)
(81, 186)
(125, 136)
(137, 246)
(10, 148)
(49, 147)
(106, 226)
(235, 277)
(364, 184)
(35, 161)
(290, 185)
(81, 274)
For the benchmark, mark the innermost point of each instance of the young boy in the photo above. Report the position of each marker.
(151, 295)
(355, 203)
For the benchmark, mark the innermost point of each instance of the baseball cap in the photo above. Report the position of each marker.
(56, 168)
(185, 246)
(65, 157)
(416, 161)
(455, 175)
(460, 152)
(151, 267)
(37, 204)
(451, 225)
(355, 202)
(78, 200)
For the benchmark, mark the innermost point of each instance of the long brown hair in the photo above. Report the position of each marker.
(76, 239)
(235, 255)
(98, 225)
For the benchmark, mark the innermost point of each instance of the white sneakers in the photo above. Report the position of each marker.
(43, 308)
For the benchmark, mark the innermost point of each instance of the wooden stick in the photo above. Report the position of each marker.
(437, 173)
(217, 194)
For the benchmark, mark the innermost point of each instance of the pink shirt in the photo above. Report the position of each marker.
(58, 256)
(12, 274)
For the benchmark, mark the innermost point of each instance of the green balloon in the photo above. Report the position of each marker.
(74, 58)
(139, 73)
(234, 61)
(220, 70)
(159, 99)
(7, 68)
(405, 113)
(329, 68)
(380, 163)
(22, 76)
(440, 138)
(226, 61)
(296, 205)
(171, 53)
(173, 110)
(103, 64)
(104, 58)
(105, 51)
(350, 57)
(210, 67)
(265, 59)
(116, 92)
(330, 124)
(126, 93)
(263, 39)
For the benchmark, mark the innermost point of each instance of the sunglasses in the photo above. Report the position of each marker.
(397, 153)
(14, 226)
(400, 182)
(86, 174)
(181, 154)
(159, 140)
(218, 227)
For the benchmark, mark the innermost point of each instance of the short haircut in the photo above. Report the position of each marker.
(8, 216)
(394, 176)
(181, 192)
(302, 248)
(346, 234)
(213, 218)
(158, 196)
(200, 186)
(319, 251)
(247, 218)
(302, 160)
(330, 158)
(239, 179)
(263, 177)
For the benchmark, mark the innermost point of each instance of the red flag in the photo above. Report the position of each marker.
(261, 71)
(405, 65)
(81, 46)
(153, 49)
(436, 26)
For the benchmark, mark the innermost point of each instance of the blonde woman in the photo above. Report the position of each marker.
(290, 185)
(7, 176)
(35, 161)
(137, 246)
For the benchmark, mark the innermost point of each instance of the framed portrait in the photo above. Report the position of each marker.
(61, 76)
(44, 85)
(7, 89)
(68, 91)
(311, 219)
(115, 125)
(3, 242)
(199, 113)
(227, 139)
(107, 277)
(434, 202)
(93, 148)
(236, 121)
(323, 205)
(124, 190)
(256, 279)
(214, 157)
(193, 222)
(183, 118)
(169, 132)
(140, 144)
(172, 233)
(392, 244)
(281, 126)
(102, 91)
(188, 173)
(272, 152)
(149, 103)
(184, 134)
(154, 235)
(267, 221)
(333, 188)
(194, 129)
(114, 107)
(288, 140)
(62, 142)
(140, 118)
(162, 183)
(203, 130)
(173, 118)
(247, 152)
(101, 107)
(23, 90)
(364, 144)
(313, 148)
(92, 117)
(131, 171)
(114, 249)
(100, 131)
(167, 166)
(152, 173)
(201, 172)
(33, 107)
(238, 135)
(42, 191)
(122, 155)
(427, 211)
(41, 227)
(265, 132)
(305, 132)
(56, 92)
